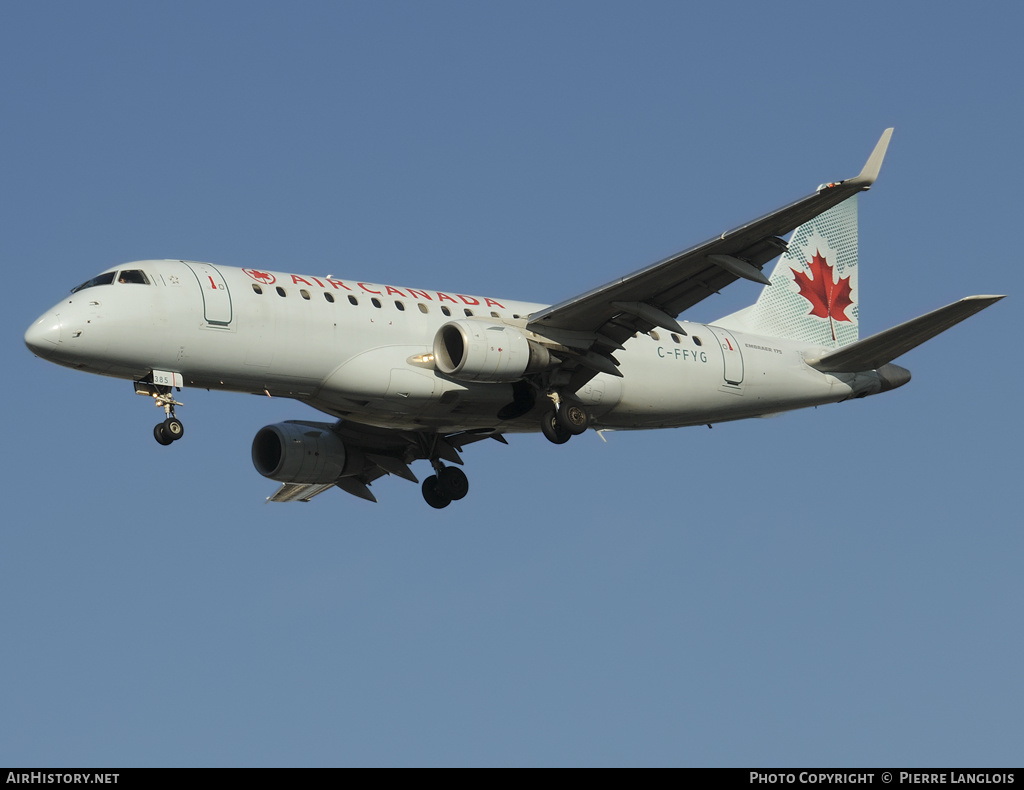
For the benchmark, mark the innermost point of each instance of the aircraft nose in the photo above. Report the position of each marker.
(43, 336)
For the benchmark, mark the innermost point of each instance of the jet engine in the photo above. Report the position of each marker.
(477, 351)
(301, 452)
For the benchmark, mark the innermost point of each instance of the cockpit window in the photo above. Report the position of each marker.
(136, 276)
(102, 279)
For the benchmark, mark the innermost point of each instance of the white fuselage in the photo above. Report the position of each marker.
(361, 351)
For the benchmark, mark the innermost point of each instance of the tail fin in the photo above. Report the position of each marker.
(813, 296)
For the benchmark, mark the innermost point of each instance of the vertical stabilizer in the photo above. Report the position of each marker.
(813, 293)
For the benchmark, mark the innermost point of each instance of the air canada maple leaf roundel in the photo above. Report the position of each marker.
(829, 299)
(261, 277)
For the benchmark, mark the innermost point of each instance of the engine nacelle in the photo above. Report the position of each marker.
(477, 351)
(297, 452)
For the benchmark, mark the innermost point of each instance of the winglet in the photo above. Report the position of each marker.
(868, 175)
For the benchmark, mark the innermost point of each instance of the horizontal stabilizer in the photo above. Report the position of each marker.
(873, 352)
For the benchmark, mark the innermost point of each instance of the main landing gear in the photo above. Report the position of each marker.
(448, 485)
(565, 420)
(566, 417)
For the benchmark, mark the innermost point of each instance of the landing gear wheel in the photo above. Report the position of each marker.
(160, 434)
(452, 483)
(173, 428)
(433, 495)
(573, 418)
(553, 429)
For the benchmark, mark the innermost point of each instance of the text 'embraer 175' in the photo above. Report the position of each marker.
(413, 374)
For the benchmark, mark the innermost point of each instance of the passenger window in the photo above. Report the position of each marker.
(353, 300)
(423, 307)
(399, 305)
(675, 338)
(696, 341)
(329, 297)
(445, 310)
(375, 302)
(280, 291)
(304, 294)
(494, 314)
(654, 335)
(468, 312)
(256, 289)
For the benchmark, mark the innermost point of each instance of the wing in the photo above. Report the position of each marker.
(383, 452)
(597, 322)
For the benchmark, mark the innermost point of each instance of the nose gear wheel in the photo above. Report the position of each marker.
(173, 428)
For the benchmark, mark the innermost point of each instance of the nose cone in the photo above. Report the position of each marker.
(43, 336)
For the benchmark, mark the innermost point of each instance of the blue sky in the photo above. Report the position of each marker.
(839, 586)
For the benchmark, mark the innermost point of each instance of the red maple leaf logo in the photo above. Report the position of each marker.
(262, 277)
(828, 299)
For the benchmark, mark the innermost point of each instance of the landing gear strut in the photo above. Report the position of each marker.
(448, 485)
(171, 429)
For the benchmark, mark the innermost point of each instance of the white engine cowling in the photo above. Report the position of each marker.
(296, 452)
(477, 351)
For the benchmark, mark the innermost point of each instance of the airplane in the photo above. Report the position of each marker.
(410, 374)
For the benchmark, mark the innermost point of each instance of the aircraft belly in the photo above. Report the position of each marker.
(661, 389)
(601, 394)
(656, 394)
(381, 388)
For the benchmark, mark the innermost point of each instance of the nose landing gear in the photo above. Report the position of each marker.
(171, 429)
